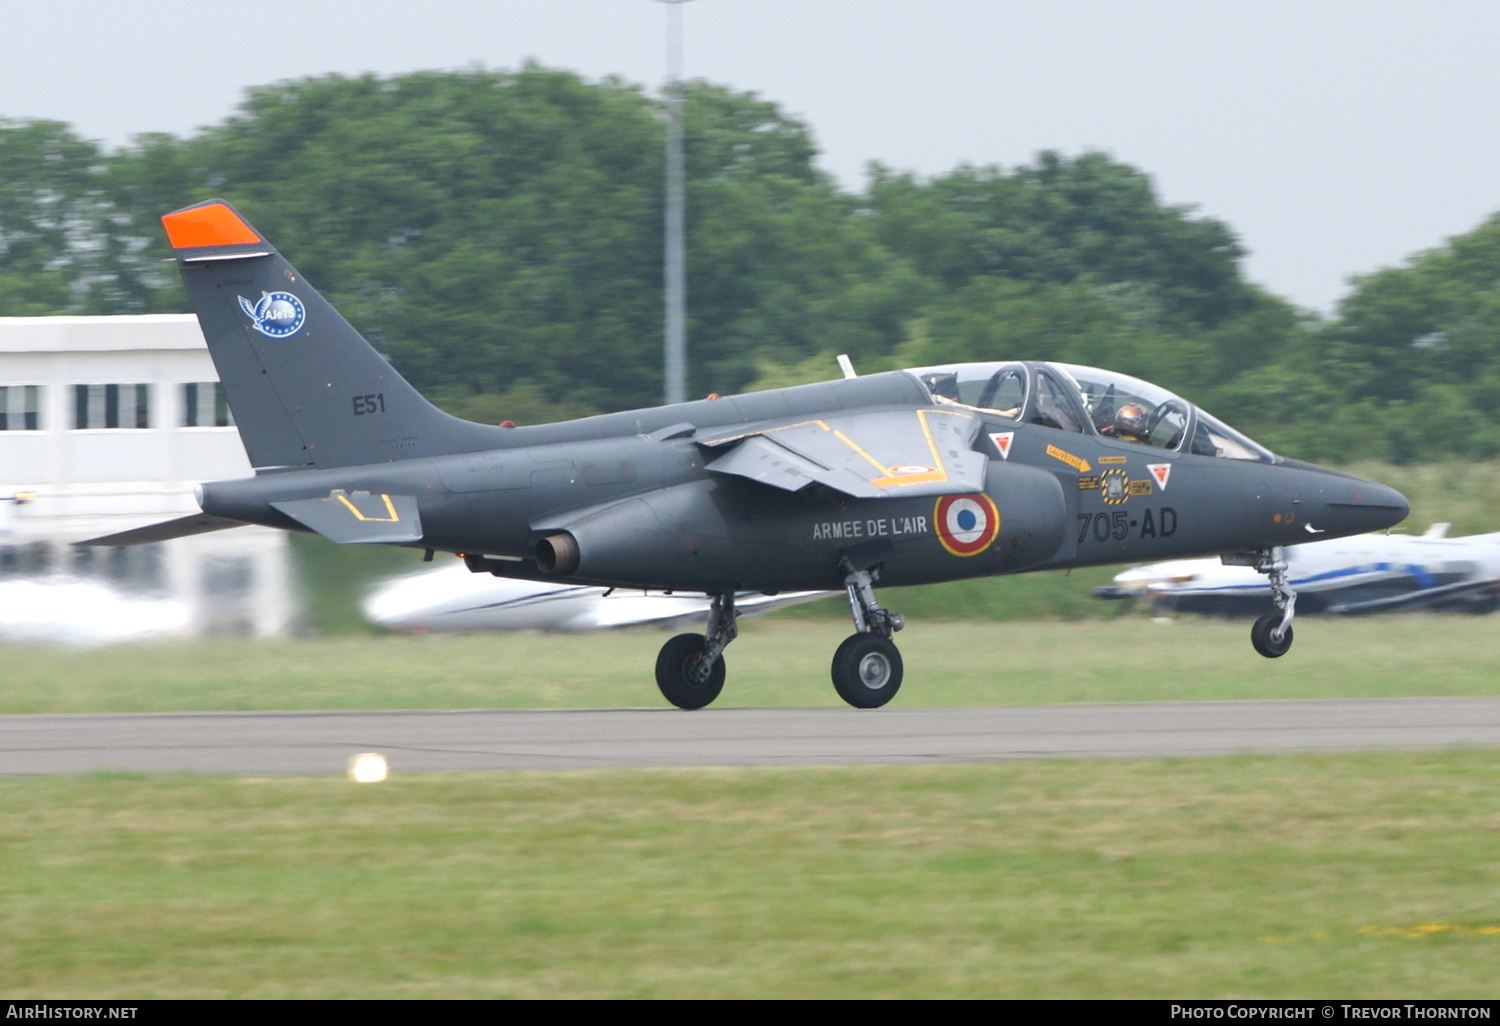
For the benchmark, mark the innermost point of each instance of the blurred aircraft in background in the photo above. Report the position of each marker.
(453, 599)
(53, 608)
(1368, 573)
(58, 609)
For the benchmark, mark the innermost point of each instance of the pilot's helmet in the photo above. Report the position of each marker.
(1130, 419)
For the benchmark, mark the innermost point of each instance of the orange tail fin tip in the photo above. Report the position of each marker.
(212, 224)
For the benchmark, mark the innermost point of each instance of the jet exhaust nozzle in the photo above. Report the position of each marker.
(558, 553)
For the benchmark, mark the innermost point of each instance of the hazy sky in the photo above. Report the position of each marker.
(1334, 136)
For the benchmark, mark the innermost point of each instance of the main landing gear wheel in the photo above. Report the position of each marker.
(867, 667)
(867, 670)
(680, 673)
(1264, 635)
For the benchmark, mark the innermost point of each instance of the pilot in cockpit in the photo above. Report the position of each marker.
(944, 388)
(945, 391)
(1129, 424)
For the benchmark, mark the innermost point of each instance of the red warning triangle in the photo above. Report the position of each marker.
(1002, 440)
(1160, 471)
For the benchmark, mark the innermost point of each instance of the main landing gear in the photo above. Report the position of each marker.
(1272, 633)
(690, 667)
(866, 668)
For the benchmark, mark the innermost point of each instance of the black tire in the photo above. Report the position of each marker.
(867, 670)
(1261, 636)
(673, 665)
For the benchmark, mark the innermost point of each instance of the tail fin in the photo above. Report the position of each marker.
(305, 387)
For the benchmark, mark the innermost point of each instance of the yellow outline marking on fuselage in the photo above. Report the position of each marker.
(389, 507)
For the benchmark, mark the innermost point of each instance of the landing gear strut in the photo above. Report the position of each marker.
(867, 667)
(690, 667)
(1272, 633)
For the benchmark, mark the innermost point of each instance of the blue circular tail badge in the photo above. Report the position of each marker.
(277, 315)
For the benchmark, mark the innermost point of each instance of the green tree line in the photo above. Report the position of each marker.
(497, 234)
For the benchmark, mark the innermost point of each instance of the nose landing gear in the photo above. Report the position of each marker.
(1272, 633)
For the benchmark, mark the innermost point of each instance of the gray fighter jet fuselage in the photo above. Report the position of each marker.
(908, 477)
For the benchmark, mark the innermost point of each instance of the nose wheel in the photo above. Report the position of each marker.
(867, 667)
(1269, 637)
(1272, 634)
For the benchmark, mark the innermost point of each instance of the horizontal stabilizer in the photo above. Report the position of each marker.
(867, 455)
(358, 517)
(182, 527)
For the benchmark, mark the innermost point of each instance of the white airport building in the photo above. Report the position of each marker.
(107, 424)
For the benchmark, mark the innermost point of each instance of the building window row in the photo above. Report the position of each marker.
(111, 406)
(203, 404)
(20, 407)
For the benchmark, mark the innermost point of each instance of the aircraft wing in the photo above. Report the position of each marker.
(450, 598)
(358, 518)
(624, 608)
(867, 455)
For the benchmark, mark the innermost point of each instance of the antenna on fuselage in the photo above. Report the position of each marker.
(846, 366)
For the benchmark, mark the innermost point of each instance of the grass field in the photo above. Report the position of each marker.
(1371, 875)
(775, 663)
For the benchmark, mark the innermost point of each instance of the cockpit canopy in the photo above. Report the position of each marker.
(1086, 399)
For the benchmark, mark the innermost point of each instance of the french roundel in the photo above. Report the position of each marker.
(966, 524)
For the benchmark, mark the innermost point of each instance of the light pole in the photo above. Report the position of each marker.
(676, 274)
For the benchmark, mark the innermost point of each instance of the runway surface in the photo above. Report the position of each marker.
(320, 743)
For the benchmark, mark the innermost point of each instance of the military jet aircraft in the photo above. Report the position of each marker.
(1370, 573)
(906, 477)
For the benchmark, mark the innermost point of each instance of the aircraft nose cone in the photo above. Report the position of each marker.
(1362, 506)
